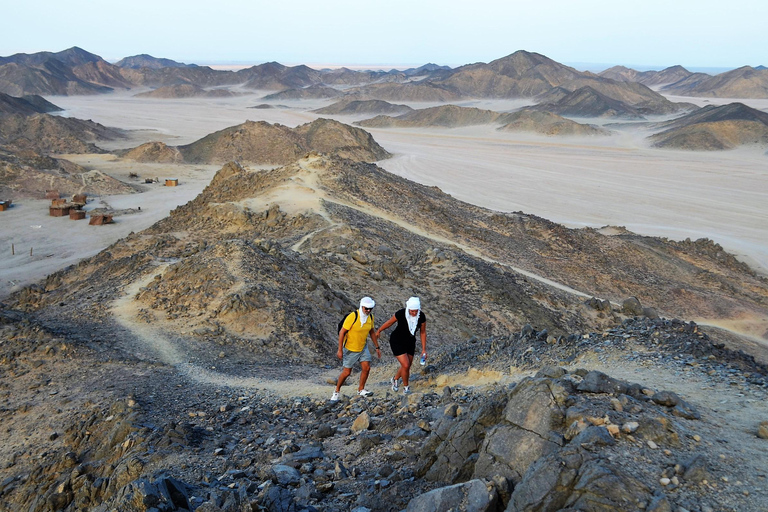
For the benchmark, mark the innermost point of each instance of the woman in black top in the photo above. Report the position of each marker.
(403, 339)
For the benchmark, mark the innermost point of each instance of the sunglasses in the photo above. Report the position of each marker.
(367, 309)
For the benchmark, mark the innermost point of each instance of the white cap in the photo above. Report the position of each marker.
(413, 303)
(367, 302)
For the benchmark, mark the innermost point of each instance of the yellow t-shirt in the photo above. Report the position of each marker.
(356, 337)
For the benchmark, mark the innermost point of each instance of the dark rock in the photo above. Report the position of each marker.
(598, 382)
(285, 475)
(632, 307)
(472, 496)
(666, 398)
(594, 437)
(552, 372)
(696, 469)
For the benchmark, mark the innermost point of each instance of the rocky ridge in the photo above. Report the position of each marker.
(607, 442)
(264, 143)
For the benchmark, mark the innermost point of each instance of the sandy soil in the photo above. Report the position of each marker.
(578, 182)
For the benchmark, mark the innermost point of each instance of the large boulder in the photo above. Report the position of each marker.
(530, 429)
(472, 496)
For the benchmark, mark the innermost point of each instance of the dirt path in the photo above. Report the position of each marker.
(153, 343)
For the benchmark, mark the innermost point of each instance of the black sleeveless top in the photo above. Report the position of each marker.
(402, 333)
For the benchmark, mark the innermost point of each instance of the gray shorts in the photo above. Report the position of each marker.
(349, 358)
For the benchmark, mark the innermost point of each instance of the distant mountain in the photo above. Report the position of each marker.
(306, 93)
(185, 91)
(268, 144)
(444, 116)
(275, 76)
(412, 91)
(71, 57)
(587, 102)
(431, 70)
(51, 77)
(546, 123)
(148, 61)
(744, 82)
(102, 73)
(346, 76)
(350, 107)
(761, 67)
(26, 106)
(529, 75)
(666, 76)
(715, 128)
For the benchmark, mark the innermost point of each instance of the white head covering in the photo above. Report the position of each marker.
(366, 302)
(413, 321)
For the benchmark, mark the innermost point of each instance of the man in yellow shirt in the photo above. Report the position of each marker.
(355, 331)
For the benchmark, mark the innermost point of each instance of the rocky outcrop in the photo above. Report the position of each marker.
(547, 123)
(264, 143)
(354, 107)
(715, 128)
(185, 91)
(444, 116)
(550, 436)
(156, 152)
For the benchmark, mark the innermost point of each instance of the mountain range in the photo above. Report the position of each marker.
(519, 75)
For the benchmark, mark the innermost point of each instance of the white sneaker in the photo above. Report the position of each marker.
(335, 396)
(395, 384)
(364, 392)
(406, 390)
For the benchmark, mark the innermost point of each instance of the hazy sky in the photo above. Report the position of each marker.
(648, 33)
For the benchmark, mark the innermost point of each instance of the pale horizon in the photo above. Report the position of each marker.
(704, 34)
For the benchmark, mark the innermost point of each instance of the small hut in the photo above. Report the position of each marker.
(76, 214)
(171, 182)
(4, 205)
(59, 211)
(79, 199)
(58, 202)
(100, 219)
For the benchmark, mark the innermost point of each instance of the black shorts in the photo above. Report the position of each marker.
(402, 346)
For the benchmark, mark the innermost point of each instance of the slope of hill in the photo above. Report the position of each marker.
(50, 77)
(744, 82)
(53, 134)
(70, 57)
(102, 73)
(715, 128)
(587, 102)
(275, 76)
(25, 174)
(264, 143)
(670, 75)
(411, 91)
(351, 107)
(546, 123)
(185, 91)
(155, 152)
(26, 105)
(445, 116)
(311, 92)
(148, 61)
(528, 75)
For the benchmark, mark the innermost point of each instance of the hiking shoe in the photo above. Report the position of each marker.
(364, 392)
(406, 390)
(395, 384)
(335, 396)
